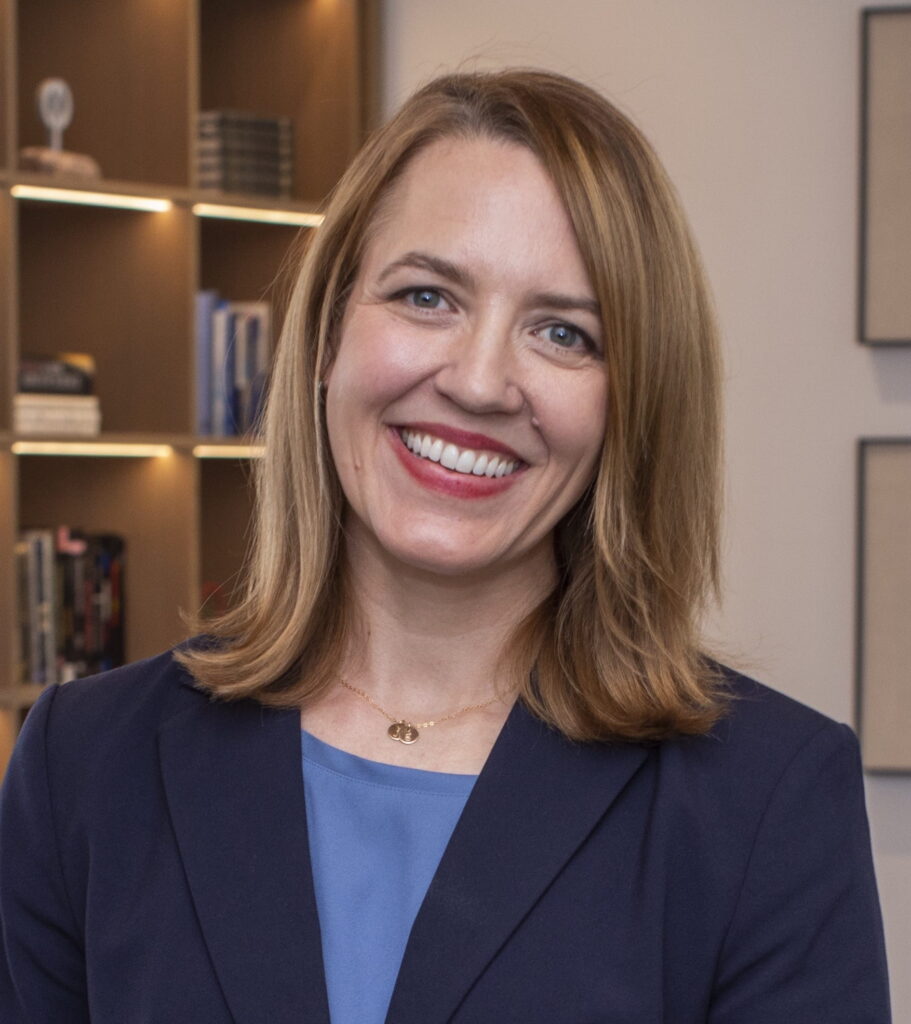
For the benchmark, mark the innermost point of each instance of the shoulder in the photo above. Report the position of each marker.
(151, 689)
(762, 720)
(764, 727)
(766, 744)
(88, 728)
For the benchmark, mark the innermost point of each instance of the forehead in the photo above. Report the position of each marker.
(485, 203)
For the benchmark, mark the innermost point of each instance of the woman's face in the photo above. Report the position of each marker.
(466, 402)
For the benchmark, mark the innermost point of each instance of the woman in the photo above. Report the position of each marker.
(487, 520)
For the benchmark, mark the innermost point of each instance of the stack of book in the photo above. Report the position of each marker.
(233, 341)
(238, 152)
(71, 603)
(54, 396)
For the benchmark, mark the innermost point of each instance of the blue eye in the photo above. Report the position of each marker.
(563, 335)
(425, 298)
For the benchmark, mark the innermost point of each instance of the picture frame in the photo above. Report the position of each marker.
(883, 645)
(884, 301)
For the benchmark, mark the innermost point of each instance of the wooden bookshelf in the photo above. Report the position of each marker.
(120, 284)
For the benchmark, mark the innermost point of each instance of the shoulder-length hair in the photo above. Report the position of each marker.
(614, 650)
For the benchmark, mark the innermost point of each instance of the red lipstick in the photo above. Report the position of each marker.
(462, 438)
(437, 478)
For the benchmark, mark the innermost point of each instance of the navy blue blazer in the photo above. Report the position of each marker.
(154, 868)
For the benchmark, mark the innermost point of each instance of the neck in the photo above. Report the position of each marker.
(426, 643)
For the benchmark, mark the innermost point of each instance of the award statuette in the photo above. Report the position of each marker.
(55, 108)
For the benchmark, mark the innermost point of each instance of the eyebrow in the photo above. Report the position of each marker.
(435, 264)
(458, 275)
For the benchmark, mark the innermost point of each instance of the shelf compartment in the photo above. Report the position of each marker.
(115, 284)
(263, 274)
(150, 502)
(132, 107)
(225, 516)
(300, 60)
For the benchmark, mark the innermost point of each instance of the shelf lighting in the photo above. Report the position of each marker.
(228, 451)
(85, 198)
(225, 212)
(98, 448)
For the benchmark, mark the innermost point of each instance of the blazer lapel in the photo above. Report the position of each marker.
(232, 774)
(536, 800)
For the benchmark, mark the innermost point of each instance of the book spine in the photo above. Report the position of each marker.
(41, 590)
(241, 381)
(221, 325)
(229, 419)
(206, 304)
(22, 604)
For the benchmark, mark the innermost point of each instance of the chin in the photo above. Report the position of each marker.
(447, 557)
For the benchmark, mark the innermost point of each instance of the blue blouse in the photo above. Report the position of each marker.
(377, 833)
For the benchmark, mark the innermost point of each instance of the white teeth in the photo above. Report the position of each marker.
(450, 456)
(460, 460)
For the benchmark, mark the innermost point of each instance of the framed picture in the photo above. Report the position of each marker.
(884, 603)
(884, 306)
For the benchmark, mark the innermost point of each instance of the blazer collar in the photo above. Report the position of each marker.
(233, 777)
(537, 799)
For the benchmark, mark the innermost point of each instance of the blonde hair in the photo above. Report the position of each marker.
(615, 648)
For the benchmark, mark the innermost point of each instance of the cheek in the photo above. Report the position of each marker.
(576, 419)
(377, 360)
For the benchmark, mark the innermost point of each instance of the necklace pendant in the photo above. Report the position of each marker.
(404, 732)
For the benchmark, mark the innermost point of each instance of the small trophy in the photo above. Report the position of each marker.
(55, 108)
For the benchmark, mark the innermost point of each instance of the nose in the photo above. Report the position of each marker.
(481, 373)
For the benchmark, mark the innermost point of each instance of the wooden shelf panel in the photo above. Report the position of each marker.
(151, 503)
(7, 317)
(180, 196)
(116, 284)
(113, 185)
(129, 64)
(299, 60)
(7, 89)
(183, 443)
(225, 507)
(8, 529)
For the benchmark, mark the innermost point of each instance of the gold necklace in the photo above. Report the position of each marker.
(409, 732)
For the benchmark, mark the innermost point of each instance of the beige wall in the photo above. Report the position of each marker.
(753, 106)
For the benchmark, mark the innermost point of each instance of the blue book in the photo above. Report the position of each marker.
(206, 303)
(222, 380)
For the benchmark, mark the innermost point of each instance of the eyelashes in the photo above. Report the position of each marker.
(424, 298)
(565, 335)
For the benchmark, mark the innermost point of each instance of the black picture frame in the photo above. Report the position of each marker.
(884, 295)
(883, 604)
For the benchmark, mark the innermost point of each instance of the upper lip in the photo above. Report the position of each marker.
(462, 438)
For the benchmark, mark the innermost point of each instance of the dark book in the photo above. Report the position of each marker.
(56, 375)
(217, 146)
(243, 164)
(277, 189)
(211, 121)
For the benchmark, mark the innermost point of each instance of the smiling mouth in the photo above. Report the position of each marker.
(458, 460)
